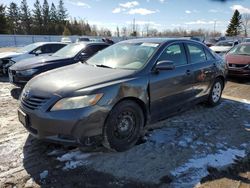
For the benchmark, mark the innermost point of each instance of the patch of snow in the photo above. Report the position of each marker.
(247, 125)
(74, 159)
(44, 174)
(54, 152)
(75, 155)
(196, 168)
(73, 164)
(162, 136)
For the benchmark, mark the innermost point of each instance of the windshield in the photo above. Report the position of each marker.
(124, 55)
(28, 48)
(70, 50)
(225, 43)
(243, 49)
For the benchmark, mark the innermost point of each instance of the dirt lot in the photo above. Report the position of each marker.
(202, 147)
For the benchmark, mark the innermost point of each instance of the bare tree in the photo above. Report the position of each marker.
(245, 23)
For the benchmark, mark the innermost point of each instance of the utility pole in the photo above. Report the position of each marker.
(214, 26)
(133, 25)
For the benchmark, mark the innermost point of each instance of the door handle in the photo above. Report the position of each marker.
(188, 72)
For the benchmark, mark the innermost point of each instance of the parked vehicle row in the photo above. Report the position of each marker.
(21, 72)
(112, 96)
(7, 59)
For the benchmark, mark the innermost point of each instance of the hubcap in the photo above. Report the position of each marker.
(125, 125)
(216, 92)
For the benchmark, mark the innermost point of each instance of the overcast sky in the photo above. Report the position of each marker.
(161, 14)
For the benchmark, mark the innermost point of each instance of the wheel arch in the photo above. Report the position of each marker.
(138, 101)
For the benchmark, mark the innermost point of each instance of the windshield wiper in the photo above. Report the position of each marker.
(104, 66)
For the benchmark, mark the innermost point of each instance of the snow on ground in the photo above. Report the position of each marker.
(182, 148)
(198, 166)
(44, 174)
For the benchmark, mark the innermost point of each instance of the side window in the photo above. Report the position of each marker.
(97, 48)
(56, 47)
(210, 57)
(197, 54)
(46, 49)
(175, 53)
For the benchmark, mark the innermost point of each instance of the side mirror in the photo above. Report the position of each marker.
(38, 52)
(83, 56)
(165, 65)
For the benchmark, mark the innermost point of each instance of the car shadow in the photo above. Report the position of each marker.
(37, 160)
(16, 92)
(233, 172)
(4, 78)
(239, 80)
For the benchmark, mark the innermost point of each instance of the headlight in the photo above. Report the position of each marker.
(77, 102)
(27, 72)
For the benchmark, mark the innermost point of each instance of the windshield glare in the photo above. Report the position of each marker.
(28, 48)
(70, 50)
(240, 50)
(225, 44)
(124, 55)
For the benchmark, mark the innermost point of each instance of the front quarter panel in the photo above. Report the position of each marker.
(116, 91)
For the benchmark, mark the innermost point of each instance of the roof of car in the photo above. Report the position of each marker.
(42, 43)
(91, 42)
(156, 40)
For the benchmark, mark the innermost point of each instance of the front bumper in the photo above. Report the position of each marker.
(18, 80)
(239, 72)
(66, 125)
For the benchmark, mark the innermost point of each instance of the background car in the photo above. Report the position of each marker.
(21, 72)
(223, 47)
(238, 60)
(66, 40)
(82, 39)
(111, 97)
(36, 49)
(246, 40)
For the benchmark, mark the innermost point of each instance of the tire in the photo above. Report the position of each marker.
(214, 97)
(123, 126)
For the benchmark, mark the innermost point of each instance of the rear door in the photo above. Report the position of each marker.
(203, 65)
(170, 89)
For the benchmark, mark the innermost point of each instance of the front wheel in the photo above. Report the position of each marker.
(123, 126)
(215, 93)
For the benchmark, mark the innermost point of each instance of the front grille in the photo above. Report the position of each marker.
(237, 65)
(33, 102)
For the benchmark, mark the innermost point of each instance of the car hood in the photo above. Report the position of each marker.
(220, 48)
(9, 54)
(71, 78)
(34, 62)
(238, 59)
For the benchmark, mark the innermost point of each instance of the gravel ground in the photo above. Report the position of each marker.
(202, 147)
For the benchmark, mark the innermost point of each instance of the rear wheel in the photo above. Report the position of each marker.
(215, 93)
(123, 126)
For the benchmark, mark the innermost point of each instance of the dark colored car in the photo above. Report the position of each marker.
(8, 59)
(238, 60)
(21, 72)
(118, 91)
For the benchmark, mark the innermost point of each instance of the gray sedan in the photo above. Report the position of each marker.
(112, 96)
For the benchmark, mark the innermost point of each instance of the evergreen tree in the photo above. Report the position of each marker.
(3, 20)
(234, 27)
(53, 20)
(46, 16)
(25, 17)
(62, 12)
(13, 17)
(37, 18)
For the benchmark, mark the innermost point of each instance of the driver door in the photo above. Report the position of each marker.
(170, 89)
